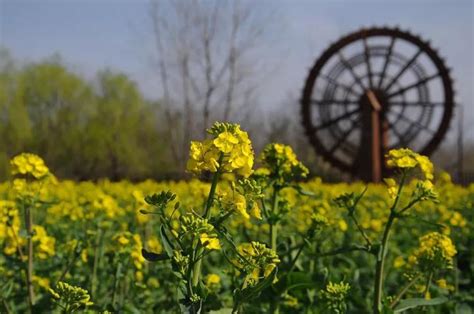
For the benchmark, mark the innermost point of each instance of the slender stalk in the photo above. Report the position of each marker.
(404, 290)
(274, 306)
(68, 267)
(362, 232)
(118, 273)
(6, 307)
(342, 250)
(274, 225)
(428, 284)
(293, 262)
(96, 262)
(29, 271)
(207, 214)
(379, 268)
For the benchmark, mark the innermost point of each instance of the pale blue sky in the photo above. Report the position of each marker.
(91, 35)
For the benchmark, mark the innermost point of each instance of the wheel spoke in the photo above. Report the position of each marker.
(351, 70)
(392, 128)
(416, 103)
(343, 86)
(418, 124)
(331, 122)
(414, 85)
(388, 56)
(329, 102)
(367, 62)
(405, 67)
(343, 138)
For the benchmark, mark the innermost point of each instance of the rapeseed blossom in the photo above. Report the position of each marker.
(27, 163)
(230, 150)
(259, 262)
(210, 242)
(436, 252)
(405, 158)
(45, 245)
(280, 162)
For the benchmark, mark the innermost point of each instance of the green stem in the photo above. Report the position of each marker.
(210, 198)
(428, 284)
(29, 271)
(379, 268)
(274, 306)
(273, 224)
(403, 291)
(293, 262)
(97, 252)
(6, 307)
(342, 250)
(118, 273)
(362, 232)
(198, 249)
(72, 259)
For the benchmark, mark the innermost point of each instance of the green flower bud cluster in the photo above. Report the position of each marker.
(160, 199)
(69, 297)
(180, 262)
(425, 191)
(346, 200)
(195, 225)
(258, 261)
(334, 296)
(318, 223)
(221, 127)
(282, 164)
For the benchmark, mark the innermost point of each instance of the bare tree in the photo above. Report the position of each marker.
(206, 63)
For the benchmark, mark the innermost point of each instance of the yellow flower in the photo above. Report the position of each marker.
(154, 245)
(255, 211)
(212, 280)
(27, 163)
(139, 276)
(225, 142)
(398, 262)
(436, 251)
(442, 283)
(209, 242)
(241, 206)
(41, 282)
(342, 224)
(426, 166)
(230, 146)
(123, 240)
(401, 158)
(392, 187)
(84, 256)
(407, 159)
(268, 269)
(44, 243)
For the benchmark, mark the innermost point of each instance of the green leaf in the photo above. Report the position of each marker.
(222, 311)
(6, 289)
(415, 302)
(301, 191)
(463, 308)
(167, 244)
(154, 257)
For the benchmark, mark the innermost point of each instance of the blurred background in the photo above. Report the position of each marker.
(117, 88)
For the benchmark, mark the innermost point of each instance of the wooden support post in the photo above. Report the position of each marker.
(376, 140)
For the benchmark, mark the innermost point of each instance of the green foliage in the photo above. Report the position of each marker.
(84, 129)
